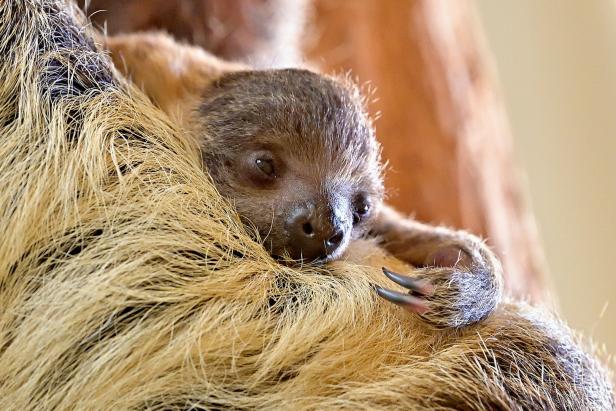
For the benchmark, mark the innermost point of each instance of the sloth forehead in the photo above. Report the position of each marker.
(293, 106)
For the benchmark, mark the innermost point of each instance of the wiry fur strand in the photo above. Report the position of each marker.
(126, 282)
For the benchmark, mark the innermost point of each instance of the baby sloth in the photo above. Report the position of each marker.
(296, 154)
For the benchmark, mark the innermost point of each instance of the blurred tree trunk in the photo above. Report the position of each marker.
(443, 126)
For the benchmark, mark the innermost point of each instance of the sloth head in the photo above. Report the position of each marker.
(295, 152)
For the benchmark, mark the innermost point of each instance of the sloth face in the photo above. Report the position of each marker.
(295, 153)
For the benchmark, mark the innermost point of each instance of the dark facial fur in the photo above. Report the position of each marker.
(295, 153)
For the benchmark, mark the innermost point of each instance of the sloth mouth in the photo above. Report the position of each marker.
(285, 259)
(286, 253)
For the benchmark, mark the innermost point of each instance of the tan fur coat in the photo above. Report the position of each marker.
(126, 282)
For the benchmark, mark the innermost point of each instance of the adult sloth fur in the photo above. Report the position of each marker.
(127, 283)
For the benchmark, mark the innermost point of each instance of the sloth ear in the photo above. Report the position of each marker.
(173, 75)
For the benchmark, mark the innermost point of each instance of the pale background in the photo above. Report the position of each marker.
(557, 65)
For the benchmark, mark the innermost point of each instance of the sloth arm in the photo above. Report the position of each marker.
(459, 279)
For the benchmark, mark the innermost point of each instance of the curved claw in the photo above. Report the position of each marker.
(412, 284)
(411, 303)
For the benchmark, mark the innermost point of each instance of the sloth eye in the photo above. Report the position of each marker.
(361, 208)
(266, 166)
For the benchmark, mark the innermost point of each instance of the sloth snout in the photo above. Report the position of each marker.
(314, 234)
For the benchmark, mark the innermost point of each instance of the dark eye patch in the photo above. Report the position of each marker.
(361, 208)
(266, 166)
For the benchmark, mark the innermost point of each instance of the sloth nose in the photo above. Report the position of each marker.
(314, 235)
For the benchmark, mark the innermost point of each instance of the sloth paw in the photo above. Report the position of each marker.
(415, 299)
(445, 296)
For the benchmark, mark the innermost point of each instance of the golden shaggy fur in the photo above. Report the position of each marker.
(126, 282)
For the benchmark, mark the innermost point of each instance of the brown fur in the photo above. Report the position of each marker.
(317, 124)
(127, 282)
